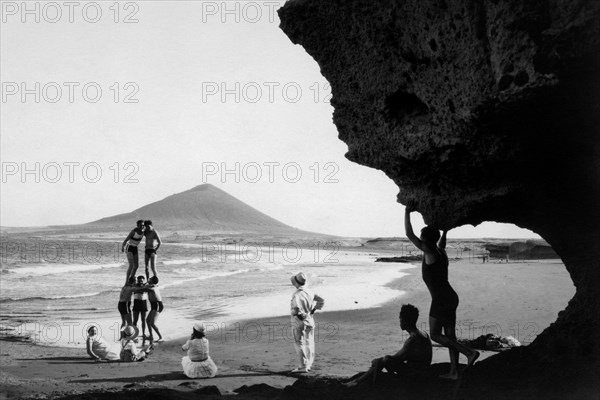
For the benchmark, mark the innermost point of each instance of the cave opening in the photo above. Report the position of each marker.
(510, 285)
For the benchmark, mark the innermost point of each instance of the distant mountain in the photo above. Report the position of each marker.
(202, 208)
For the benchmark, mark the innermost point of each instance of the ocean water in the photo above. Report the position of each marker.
(52, 290)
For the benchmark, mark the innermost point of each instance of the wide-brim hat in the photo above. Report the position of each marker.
(199, 327)
(130, 332)
(299, 279)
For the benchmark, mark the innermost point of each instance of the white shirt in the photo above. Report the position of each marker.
(197, 349)
(301, 306)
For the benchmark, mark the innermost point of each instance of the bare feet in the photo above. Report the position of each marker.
(299, 371)
(472, 358)
(450, 376)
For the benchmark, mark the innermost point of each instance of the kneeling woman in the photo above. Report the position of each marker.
(198, 364)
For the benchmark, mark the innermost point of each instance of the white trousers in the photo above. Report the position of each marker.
(304, 344)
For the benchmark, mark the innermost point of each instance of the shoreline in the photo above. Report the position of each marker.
(349, 294)
(347, 340)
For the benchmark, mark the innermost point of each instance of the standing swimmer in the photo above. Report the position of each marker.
(124, 305)
(444, 300)
(131, 243)
(156, 307)
(152, 244)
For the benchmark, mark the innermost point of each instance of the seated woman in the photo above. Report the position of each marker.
(198, 364)
(129, 351)
(98, 348)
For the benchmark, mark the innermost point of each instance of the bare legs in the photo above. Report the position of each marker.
(136, 316)
(150, 258)
(151, 321)
(133, 265)
(125, 320)
(448, 339)
(377, 365)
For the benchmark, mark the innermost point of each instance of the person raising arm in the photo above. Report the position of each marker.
(444, 300)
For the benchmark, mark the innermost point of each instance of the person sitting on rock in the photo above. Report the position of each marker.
(413, 358)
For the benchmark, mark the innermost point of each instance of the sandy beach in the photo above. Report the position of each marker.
(516, 299)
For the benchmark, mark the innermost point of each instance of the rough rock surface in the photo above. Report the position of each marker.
(479, 111)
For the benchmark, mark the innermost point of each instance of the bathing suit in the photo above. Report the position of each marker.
(132, 243)
(140, 305)
(150, 251)
(156, 305)
(444, 299)
(132, 249)
(124, 307)
(136, 238)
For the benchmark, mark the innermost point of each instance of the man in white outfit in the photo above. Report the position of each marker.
(303, 306)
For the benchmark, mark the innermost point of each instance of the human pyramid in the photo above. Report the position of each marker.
(142, 289)
(197, 363)
(414, 357)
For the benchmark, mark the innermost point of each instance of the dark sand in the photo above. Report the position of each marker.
(519, 299)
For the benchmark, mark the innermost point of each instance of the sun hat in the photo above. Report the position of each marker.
(130, 332)
(199, 327)
(299, 279)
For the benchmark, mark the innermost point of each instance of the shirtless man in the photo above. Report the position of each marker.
(156, 307)
(124, 306)
(131, 243)
(152, 244)
(140, 305)
(414, 356)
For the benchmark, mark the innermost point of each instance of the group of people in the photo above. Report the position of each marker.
(142, 293)
(100, 349)
(414, 357)
(144, 289)
(143, 229)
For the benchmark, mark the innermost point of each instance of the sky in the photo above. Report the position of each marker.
(107, 106)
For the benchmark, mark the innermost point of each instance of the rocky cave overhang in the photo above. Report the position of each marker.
(479, 111)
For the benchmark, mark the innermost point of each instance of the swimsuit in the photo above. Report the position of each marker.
(156, 305)
(150, 251)
(140, 305)
(134, 241)
(444, 299)
(124, 307)
(132, 249)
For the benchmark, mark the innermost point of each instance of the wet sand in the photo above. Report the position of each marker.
(516, 299)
